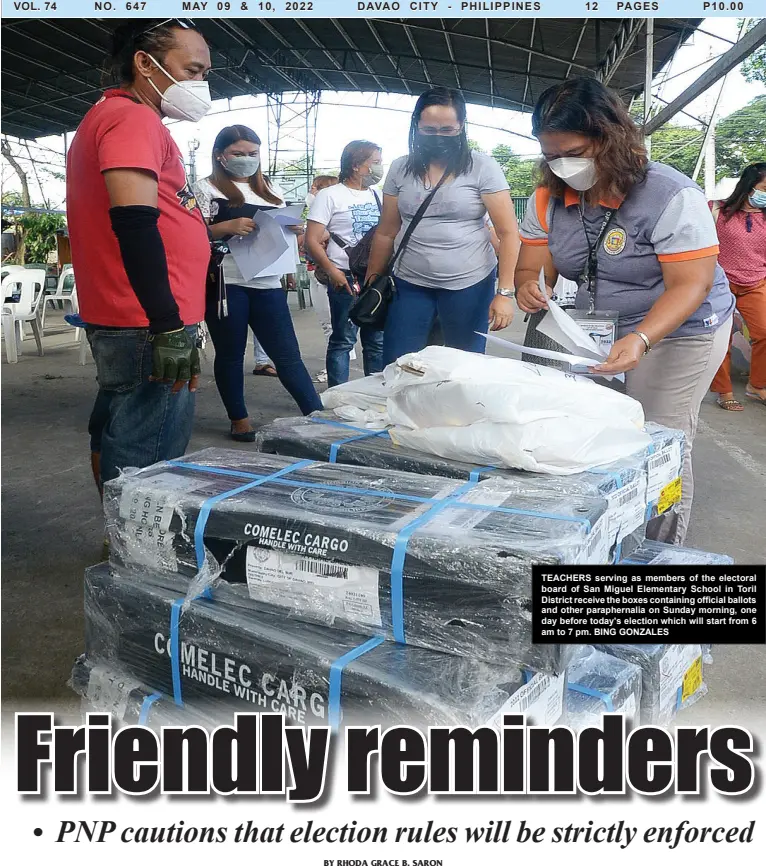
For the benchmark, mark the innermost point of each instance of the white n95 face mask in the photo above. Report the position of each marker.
(576, 171)
(309, 199)
(183, 100)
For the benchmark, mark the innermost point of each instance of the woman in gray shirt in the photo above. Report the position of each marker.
(449, 266)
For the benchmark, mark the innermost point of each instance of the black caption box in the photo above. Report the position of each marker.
(680, 604)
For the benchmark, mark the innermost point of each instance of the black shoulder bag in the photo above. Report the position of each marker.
(359, 254)
(371, 307)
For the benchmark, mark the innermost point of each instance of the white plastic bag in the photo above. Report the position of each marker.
(502, 412)
(550, 445)
(447, 387)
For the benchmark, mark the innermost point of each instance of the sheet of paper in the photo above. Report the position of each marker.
(548, 353)
(258, 251)
(557, 325)
(289, 216)
(287, 262)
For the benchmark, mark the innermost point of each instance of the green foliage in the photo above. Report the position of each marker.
(522, 174)
(754, 67)
(39, 233)
(740, 138)
(677, 146)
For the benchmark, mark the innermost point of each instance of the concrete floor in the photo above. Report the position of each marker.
(52, 526)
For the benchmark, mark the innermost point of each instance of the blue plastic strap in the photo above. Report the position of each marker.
(387, 494)
(199, 545)
(594, 693)
(330, 423)
(335, 447)
(477, 472)
(175, 653)
(207, 505)
(400, 546)
(146, 705)
(336, 676)
(400, 553)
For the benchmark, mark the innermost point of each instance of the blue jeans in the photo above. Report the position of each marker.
(460, 312)
(343, 338)
(267, 313)
(134, 422)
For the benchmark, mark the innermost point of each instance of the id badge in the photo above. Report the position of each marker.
(601, 327)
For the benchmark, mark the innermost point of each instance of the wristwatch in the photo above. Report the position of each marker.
(506, 293)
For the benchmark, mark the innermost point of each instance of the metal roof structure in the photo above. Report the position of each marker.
(52, 68)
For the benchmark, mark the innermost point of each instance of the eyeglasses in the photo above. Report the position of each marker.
(177, 21)
(439, 130)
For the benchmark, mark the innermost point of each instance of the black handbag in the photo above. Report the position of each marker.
(371, 307)
(359, 254)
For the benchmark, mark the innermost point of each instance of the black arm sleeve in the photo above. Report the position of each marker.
(143, 255)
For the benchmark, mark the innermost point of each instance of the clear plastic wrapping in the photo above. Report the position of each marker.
(664, 463)
(672, 677)
(233, 658)
(624, 483)
(599, 683)
(377, 552)
(104, 688)
(658, 553)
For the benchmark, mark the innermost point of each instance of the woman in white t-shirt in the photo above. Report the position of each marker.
(347, 211)
(259, 303)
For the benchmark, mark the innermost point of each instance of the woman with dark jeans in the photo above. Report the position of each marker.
(259, 303)
(347, 211)
(450, 268)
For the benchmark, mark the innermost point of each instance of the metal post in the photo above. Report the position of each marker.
(710, 129)
(710, 165)
(649, 75)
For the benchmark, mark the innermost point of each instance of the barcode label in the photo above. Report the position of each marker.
(323, 569)
(662, 468)
(626, 509)
(595, 550)
(314, 588)
(541, 699)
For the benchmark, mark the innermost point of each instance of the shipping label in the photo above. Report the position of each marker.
(663, 467)
(541, 699)
(678, 660)
(314, 587)
(626, 509)
(150, 501)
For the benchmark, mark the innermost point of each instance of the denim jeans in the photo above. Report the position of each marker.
(134, 422)
(343, 338)
(265, 311)
(460, 312)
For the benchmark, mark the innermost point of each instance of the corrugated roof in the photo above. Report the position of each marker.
(52, 68)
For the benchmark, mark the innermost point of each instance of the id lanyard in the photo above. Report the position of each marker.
(591, 266)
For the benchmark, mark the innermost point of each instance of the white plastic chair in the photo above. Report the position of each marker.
(5, 270)
(31, 293)
(66, 294)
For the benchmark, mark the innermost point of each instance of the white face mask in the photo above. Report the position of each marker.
(310, 199)
(577, 172)
(183, 100)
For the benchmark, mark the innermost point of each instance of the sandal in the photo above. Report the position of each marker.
(755, 397)
(265, 370)
(730, 405)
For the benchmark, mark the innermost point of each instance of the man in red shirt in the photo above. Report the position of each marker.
(140, 247)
